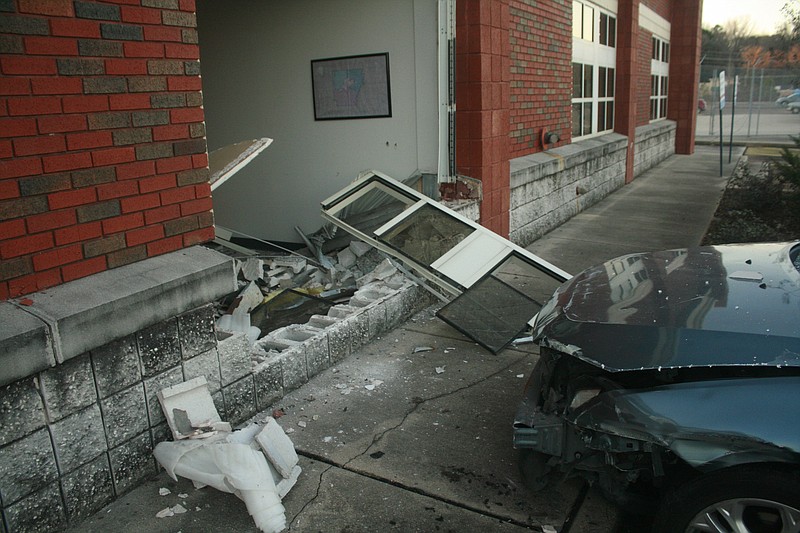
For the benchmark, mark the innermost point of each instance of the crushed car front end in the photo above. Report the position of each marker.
(657, 368)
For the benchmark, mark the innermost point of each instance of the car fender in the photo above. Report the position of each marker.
(709, 424)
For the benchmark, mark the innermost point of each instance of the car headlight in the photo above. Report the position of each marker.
(582, 396)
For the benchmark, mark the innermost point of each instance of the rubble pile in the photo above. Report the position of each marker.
(282, 290)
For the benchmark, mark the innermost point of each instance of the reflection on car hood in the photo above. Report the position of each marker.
(721, 305)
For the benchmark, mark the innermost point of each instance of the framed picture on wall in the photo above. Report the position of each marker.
(351, 87)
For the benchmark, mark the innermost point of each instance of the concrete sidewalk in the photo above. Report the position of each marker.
(413, 431)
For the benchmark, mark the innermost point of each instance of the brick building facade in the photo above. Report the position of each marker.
(104, 195)
(102, 152)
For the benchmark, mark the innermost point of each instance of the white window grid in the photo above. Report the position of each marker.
(594, 40)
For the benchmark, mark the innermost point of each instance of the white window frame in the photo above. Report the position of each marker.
(588, 52)
(659, 78)
(661, 29)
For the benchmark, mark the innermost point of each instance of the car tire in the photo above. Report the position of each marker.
(795, 110)
(739, 499)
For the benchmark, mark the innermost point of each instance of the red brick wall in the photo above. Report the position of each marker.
(103, 156)
(482, 111)
(541, 73)
(662, 7)
(644, 55)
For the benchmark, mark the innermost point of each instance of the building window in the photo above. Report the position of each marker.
(594, 33)
(659, 79)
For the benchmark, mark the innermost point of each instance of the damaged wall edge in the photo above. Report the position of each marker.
(58, 324)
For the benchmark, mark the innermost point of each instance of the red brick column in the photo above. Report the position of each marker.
(482, 104)
(627, 76)
(103, 156)
(684, 71)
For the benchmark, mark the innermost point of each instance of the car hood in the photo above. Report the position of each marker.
(719, 305)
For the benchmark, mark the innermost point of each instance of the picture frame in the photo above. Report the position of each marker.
(351, 87)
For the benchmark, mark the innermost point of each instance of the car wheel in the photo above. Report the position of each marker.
(534, 469)
(796, 110)
(746, 499)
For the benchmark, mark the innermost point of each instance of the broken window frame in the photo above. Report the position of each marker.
(449, 271)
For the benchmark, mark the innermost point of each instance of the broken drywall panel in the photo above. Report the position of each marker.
(257, 463)
(278, 448)
(190, 411)
(226, 161)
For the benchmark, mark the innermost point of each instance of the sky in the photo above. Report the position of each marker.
(765, 15)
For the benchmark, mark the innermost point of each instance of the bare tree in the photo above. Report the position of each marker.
(736, 33)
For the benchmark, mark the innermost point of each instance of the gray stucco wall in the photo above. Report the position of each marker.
(550, 187)
(654, 143)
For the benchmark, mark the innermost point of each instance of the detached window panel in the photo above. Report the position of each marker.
(445, 248)
(501, 305)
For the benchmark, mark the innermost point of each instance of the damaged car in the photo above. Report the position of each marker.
(671, 380)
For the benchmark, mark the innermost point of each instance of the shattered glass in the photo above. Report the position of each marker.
(427, 234)
(496, 309)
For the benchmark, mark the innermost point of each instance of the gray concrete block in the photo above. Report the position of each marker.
(26, 466)
(206, 364)
(21, 410)
(196, 329)
(338, 341)
(240, 400)
(116, 365)
(124, 415)
(68, 388)
(160, 433)
(132, 462)
(88, 489)
(376, 320)
(317, 356)
(234, 358)
(39, 512)
(132, 297)
(359, 330)
(25, 346)
(78, 438)
(159, 347)
(268, 383)
(293, 368)
(152, 385)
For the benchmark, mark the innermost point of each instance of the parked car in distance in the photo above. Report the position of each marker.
(788, 99)
(701, 105)
(794, 107)
(672, 381)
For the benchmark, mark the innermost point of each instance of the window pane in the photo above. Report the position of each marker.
(577, 80)
(653, 85)
(426, 235)
(612, 32)
(663, 108)
(601, 82)
(610, 82)
(588, 80)
(577, 16)
(663, 86)
(655, 48)
(588, 23)
(587, 118)
(610, 115)
(653, 108)
(577, 120)
(601, 116)
(665, 53)
(603, 37)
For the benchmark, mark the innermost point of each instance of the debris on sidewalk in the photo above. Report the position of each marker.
(257, 463)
